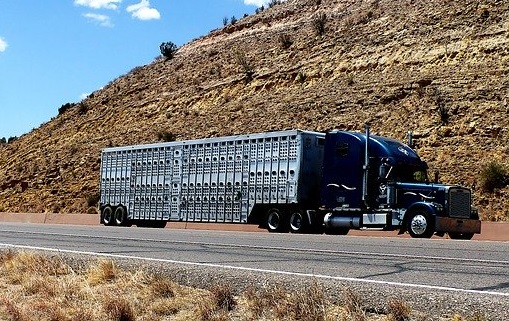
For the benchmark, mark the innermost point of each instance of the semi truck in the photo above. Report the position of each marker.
(285, 181)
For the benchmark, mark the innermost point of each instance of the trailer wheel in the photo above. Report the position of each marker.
(276, 221)
(121, 216)
(298, 223)
(107, 214)
(420, 224)
(461, 236)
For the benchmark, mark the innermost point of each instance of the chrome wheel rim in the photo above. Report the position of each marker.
(419, 224)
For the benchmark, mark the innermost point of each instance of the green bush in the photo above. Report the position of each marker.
(494, 175)
(168, 49)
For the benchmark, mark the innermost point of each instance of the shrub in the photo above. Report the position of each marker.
(398, 310)
(223, 298)
(82, 108)
(166, 136)
(285, 40)
(120, 309)
(65, 107)
(168, 49)
(233, 20)
(493, 176)
(93, 199)
(301, 77)
(225, 21)
(272, 3)
(248, 69)
(319, 22)
(443, 111)
(3, 141)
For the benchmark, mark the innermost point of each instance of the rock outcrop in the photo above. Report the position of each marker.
(437, 68)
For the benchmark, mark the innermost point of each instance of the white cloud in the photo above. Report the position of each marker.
(142, 11)
(84, 95)
(99, 4)
(257, 3)
(3, 45)
(102, 20)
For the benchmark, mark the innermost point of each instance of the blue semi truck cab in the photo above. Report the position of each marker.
(373, 182)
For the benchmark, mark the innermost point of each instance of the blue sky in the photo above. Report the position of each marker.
(56, 51)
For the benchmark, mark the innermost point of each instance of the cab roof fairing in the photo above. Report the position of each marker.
(395, 151)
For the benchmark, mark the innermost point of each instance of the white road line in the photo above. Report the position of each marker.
(277, 248)
(230, 267)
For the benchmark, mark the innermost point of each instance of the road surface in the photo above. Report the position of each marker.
(468, 266)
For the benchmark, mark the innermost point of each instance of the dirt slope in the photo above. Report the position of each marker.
(437, 68)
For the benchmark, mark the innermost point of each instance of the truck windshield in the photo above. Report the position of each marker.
(407, 174)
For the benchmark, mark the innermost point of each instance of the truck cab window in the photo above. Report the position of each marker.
(409, 175)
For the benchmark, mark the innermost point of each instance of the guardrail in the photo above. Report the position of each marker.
(490, 231)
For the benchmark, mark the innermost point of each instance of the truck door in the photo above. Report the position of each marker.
(342, 170)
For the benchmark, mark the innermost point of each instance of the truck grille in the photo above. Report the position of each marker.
(459, 202)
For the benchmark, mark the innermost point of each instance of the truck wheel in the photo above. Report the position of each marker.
(298, 223)
(276, 221)
(121, 216)
(460, 236)
(107, 215)
(420, 225)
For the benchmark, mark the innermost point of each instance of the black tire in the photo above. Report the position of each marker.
(121, 216)
(107, 216)
(420, 224)
(460, 236)
(298, 223)
(276, 221)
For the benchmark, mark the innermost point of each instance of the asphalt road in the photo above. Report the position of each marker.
(464, 266)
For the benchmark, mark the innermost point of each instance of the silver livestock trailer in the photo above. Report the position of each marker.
(234, 179)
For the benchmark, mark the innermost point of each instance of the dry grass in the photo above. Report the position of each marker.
(37, 287)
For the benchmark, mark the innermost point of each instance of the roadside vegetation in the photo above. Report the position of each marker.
(39, 287)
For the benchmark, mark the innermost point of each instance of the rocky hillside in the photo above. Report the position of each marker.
(437, 68)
